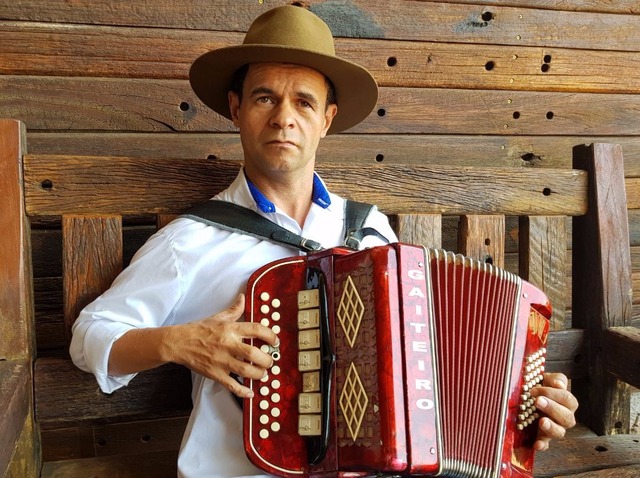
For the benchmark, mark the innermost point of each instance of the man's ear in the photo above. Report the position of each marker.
(329, 114)
(234, 107)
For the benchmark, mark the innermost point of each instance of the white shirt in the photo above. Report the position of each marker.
(189, 271)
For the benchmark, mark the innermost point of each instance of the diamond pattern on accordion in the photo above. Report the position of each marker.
(356, 344)
(353, 401)
(350, 311)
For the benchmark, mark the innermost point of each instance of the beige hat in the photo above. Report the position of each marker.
(287, 34)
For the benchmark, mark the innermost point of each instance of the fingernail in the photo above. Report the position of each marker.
(545, 424)
(542, 402)
(249, 395)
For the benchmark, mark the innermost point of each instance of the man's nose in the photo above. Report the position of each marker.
(283, 115)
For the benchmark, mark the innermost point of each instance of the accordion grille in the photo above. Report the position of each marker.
(475, 306)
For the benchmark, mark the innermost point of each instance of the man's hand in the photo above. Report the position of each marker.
(558, 406)
(214, 348)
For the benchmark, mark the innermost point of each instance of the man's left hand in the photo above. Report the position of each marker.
(558, 407)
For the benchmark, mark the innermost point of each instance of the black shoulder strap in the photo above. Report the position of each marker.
(234, 218)
(356, 214)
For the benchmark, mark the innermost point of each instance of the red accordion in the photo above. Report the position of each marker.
(395, 360)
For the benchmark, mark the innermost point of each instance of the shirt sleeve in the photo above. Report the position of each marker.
(143, 295)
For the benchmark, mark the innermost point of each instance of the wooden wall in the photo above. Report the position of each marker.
(499, 82)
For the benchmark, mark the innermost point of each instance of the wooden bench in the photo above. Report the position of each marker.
(53, 417)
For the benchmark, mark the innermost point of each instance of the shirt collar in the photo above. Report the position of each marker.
(320, 195)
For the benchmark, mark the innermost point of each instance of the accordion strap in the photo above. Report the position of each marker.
(235, 218)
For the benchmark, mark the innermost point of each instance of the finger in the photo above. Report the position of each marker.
(560, 416)
(252, 354)
(233, 386)
(233, 313)
(254, 330)
(563, 398)
(556, 380)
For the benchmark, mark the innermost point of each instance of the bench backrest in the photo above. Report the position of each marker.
(516, 218)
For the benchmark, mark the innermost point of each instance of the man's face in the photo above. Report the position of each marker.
(281, 117)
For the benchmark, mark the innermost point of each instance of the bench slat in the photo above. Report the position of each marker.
(114, 104)
(543, 259)
(423, 229)
(482, 238)
(91, 259)
(463, 150)
(123, 52)
(109, 185)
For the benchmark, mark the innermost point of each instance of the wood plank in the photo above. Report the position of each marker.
(423, 229)
(464, 150)
(393, 19)
(56, 406)
(103, 185)
(16, 299)
(543, 258)
(619, 6)
(26, 459)
(482, 238)
(15, 404)
(601, 285)
(128, 438)
(580, 455)
(91, 260)
(160, 464)
(82, 50)
(622, 353)
(111, 104)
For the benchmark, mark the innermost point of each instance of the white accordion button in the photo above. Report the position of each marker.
(264, 296)
(275, 303)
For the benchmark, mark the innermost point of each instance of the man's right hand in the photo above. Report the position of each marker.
(213, 347)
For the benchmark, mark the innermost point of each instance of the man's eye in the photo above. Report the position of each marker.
(264, 99)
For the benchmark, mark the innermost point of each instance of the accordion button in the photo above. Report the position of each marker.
(264, 434)
(275, 427)
(264, 391)
(275, 369)
(275, 384)
(275, 398)
(264, 296)
(264, 309)
(264, 419)
(275, 316)
(265, 322)
(275, 303)
(275, 412)
(264, 404)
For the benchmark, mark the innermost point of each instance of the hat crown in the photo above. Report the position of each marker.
(291, 27)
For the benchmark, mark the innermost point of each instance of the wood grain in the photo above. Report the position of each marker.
(134, 105)
(463, 150)
(543, 261)
(44, 49)
(602, 285)
(91, 260)
(101, 185)
(394, 19)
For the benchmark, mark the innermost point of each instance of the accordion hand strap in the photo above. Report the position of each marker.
(234, 218)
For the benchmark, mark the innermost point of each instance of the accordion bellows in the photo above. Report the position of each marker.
(395, 360)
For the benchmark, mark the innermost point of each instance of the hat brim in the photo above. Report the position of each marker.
(356, 90)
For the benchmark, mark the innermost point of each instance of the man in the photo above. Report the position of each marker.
(180, 299)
